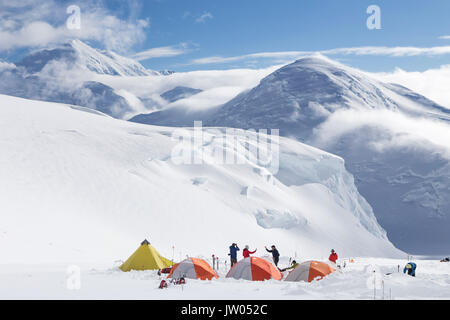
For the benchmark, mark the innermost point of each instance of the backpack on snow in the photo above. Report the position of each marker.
(163, 284)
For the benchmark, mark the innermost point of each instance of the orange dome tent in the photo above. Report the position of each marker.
(255, 269)
(193, 268)
(310, 270)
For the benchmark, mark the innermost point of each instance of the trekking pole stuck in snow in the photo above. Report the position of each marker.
(214, 262)
(374, 285)
(173, 254)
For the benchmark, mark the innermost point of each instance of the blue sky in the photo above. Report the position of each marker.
(189, 35)
(241, 27)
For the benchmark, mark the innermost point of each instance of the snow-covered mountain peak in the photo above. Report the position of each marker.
(303, 94)
(78, 54)
(330, 84)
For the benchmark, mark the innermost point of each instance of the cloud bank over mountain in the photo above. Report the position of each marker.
(34, 24)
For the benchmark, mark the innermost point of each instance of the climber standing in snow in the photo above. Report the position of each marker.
(410, 268)
(275, 254)
(233, 253)
(333, 256)
(246, 253)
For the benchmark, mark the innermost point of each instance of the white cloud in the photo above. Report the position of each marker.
(40, 23)
(444, 37)
(203, 17)
(6, 66)
(219, 86)
(404, 131)
(433, 83)
(264, 55)
(168, 51)
(377, 51)
(61, 76)
(390, 51)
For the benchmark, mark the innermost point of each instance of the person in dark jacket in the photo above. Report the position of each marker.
(275, 254)
(233, 253)
(410, 268)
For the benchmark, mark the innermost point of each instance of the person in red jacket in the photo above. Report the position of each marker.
(246, 253)
(333, 256)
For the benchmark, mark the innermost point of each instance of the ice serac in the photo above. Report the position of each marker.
(375, 127)
(86, 187)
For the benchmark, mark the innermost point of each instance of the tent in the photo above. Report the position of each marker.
(255, 269)
(193, 268)
(310, 270)
(145, 258)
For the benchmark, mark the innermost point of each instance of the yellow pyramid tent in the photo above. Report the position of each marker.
(146, 258)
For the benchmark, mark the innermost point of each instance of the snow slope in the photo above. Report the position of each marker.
(393, 140)
(356, 281)
(80, 186)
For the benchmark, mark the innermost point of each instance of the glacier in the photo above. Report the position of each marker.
(83, 186)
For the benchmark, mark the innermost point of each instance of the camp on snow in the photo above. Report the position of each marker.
(146, 257)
